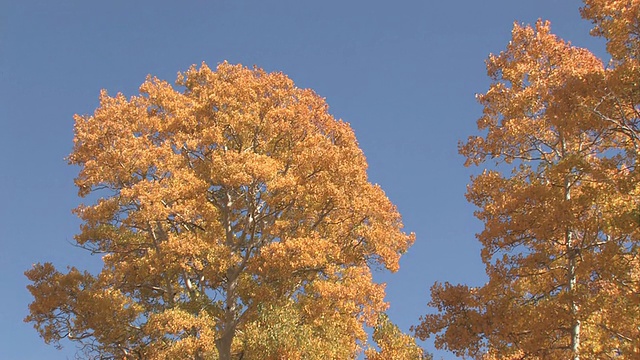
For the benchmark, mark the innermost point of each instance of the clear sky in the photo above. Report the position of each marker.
(402, 73)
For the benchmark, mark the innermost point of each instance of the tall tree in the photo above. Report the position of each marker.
(235, 220)
(559, 242)
(618, 22)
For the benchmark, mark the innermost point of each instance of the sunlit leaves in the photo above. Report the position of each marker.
(393, 344)
(619, 22)
(232, 204)
(559, 241)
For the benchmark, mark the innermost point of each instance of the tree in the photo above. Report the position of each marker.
(560, 239)
(393, 344)
(235, 221)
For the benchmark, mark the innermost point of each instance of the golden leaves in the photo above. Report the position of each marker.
(542, 85)
(232, 193)
(559, 235)
(618, 22)
(393, 344)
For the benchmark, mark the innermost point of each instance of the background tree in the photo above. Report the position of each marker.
(235, 220)
(559, 244)
(618, 22)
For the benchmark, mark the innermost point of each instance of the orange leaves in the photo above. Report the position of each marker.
(558, 233)
(231, 193)
(243, 168)
(298, 254)
(541, 87)
(78, 306)
(618, 22)
(460, 319)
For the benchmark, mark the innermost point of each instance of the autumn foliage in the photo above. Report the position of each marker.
(235, 220)
(560, 205)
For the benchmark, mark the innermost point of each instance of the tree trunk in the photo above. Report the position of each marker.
(575, 321)
(229, 320)
(572, 255)
(224, 342)
(223, 345)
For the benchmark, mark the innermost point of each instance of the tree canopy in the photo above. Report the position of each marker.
(235, 220)
(560, 208)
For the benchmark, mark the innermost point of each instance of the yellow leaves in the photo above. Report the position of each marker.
(282, 331)
(392, 343)
(492, 354)
(178, 334)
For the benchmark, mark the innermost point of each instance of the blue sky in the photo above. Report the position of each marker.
(402, 73)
